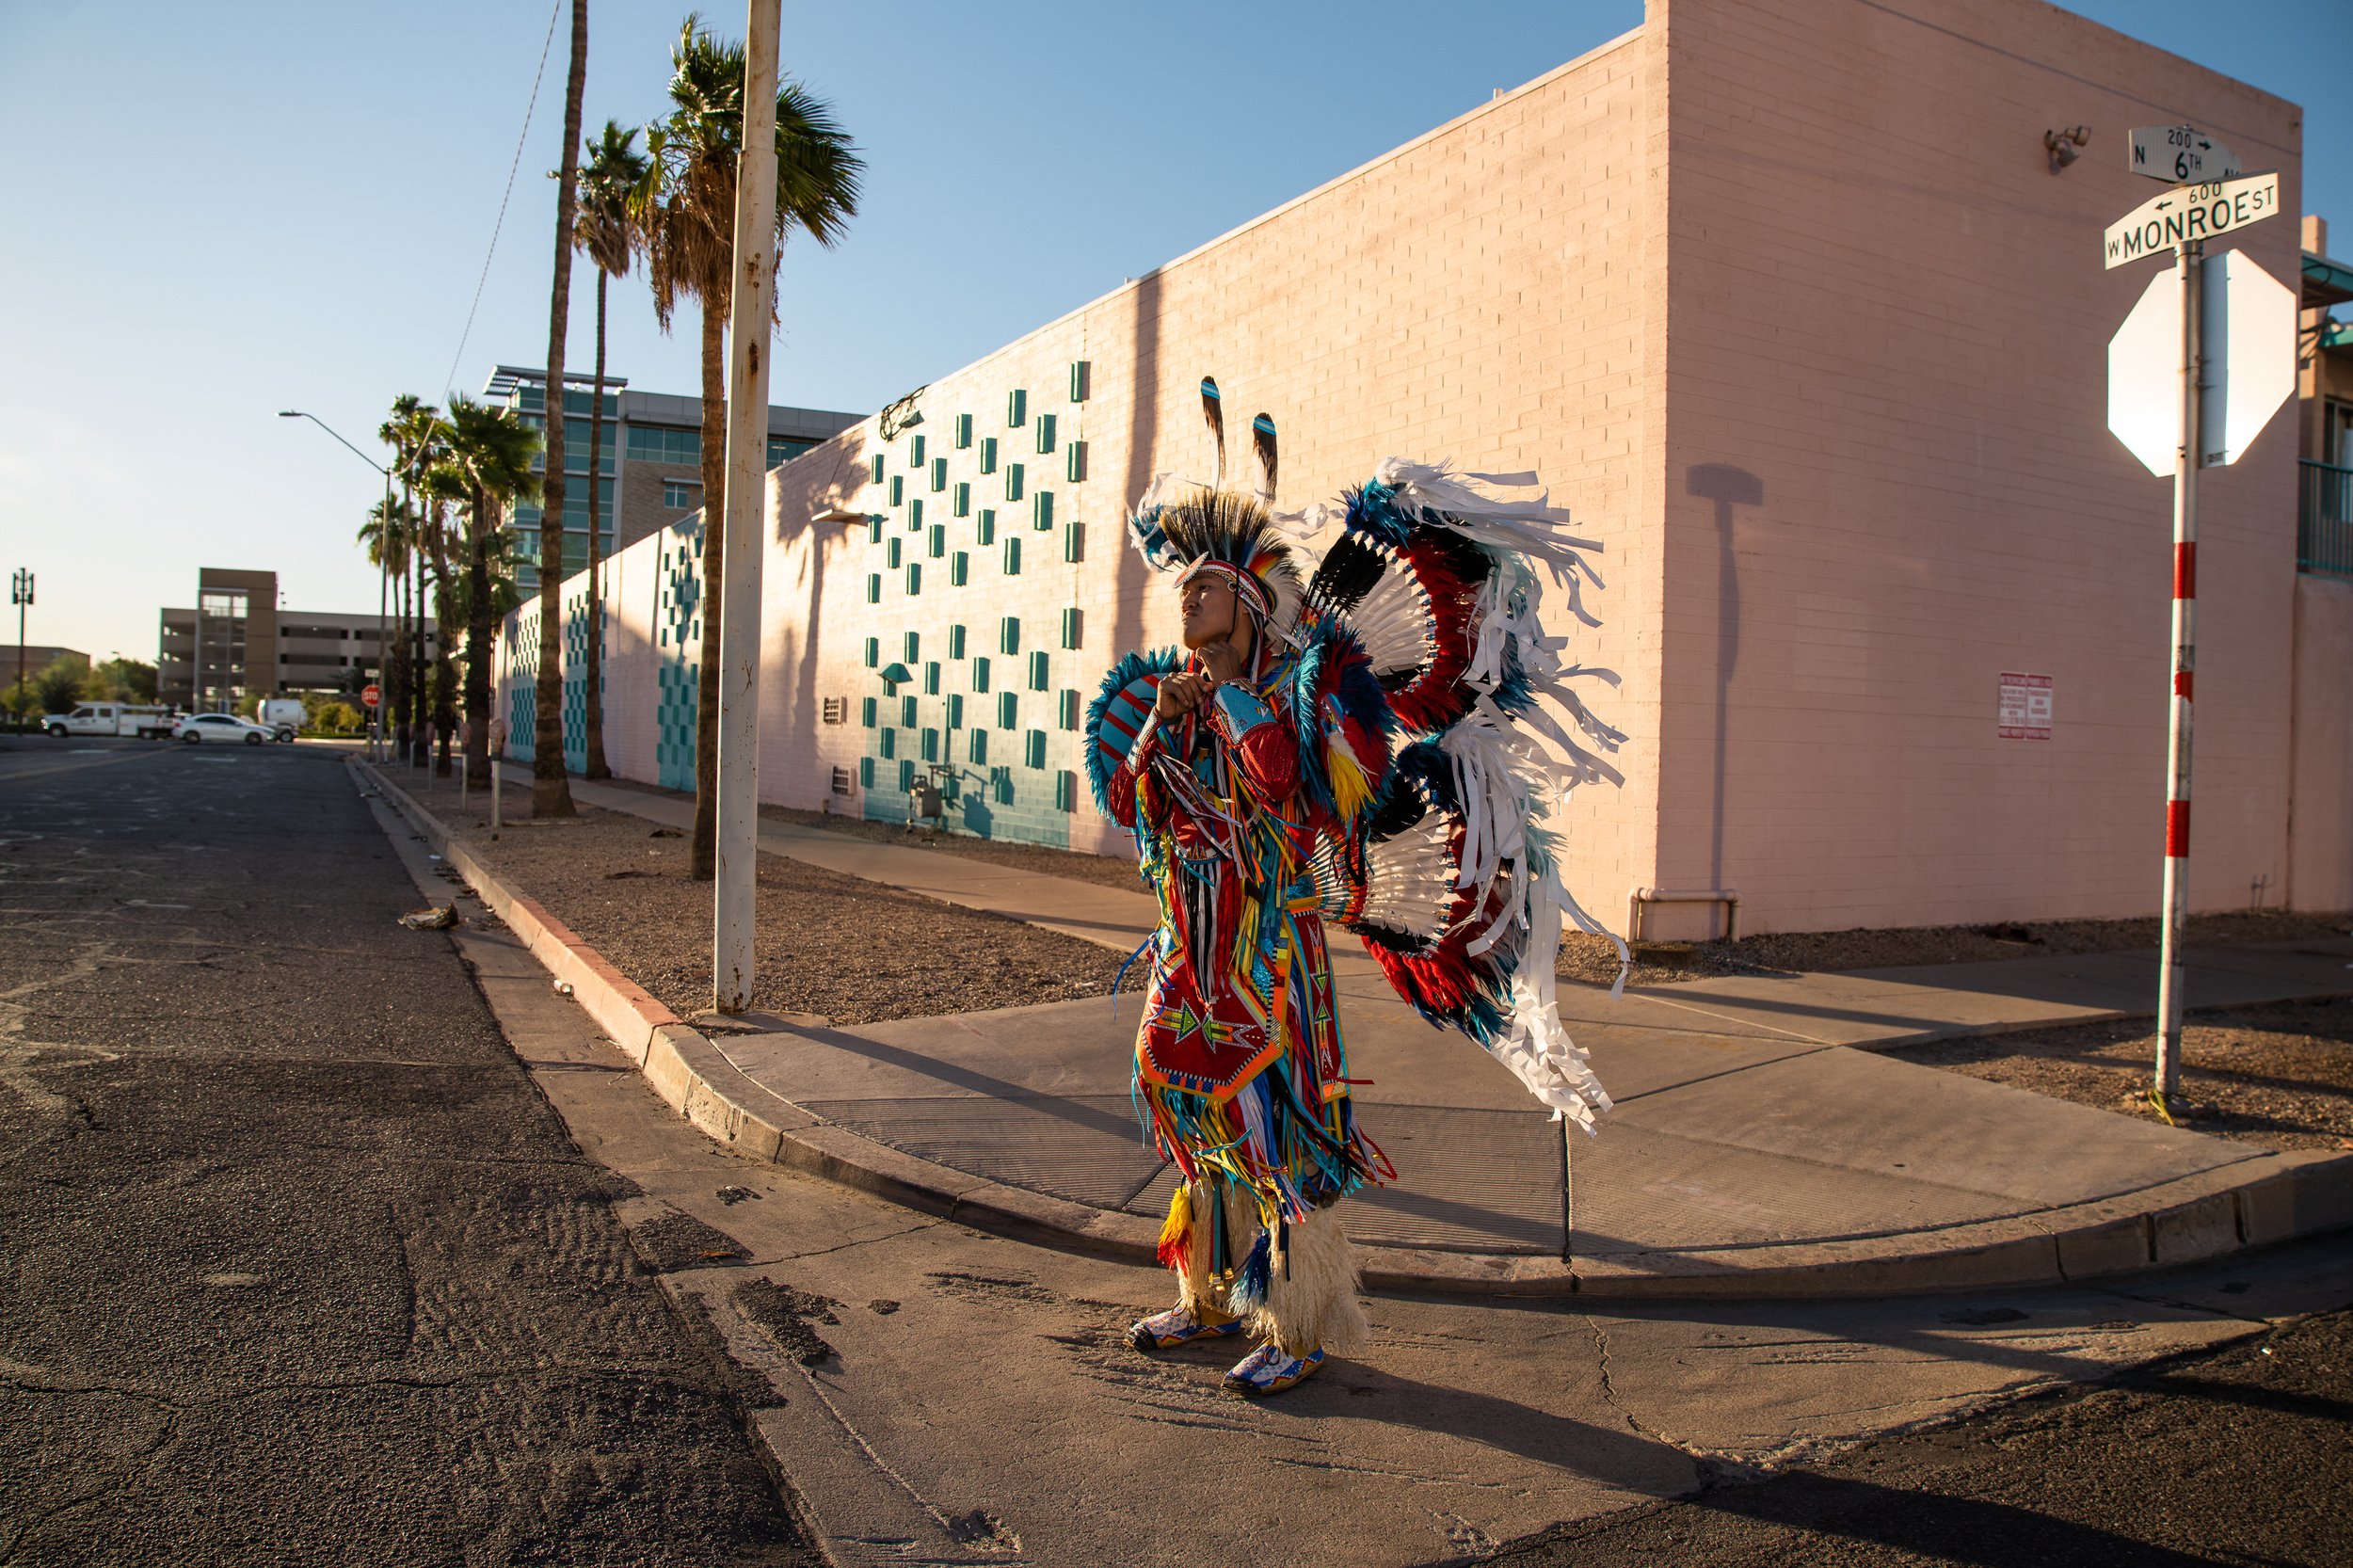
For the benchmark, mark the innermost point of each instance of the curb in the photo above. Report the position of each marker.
(2261, 1201)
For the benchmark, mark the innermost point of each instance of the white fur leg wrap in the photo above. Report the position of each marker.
(1311, 1292)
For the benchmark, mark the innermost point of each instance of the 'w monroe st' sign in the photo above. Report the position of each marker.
(2191, 212)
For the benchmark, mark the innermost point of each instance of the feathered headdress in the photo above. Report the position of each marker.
(1184, 526)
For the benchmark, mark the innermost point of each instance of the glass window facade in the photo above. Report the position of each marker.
(663, 444)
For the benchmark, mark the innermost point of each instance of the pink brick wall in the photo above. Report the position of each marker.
(1780, 296)
(2320, 818)
(1887, 329)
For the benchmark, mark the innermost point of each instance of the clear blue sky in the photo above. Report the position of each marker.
(218, 211)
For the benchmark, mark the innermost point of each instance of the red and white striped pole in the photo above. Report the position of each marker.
(2190, 261)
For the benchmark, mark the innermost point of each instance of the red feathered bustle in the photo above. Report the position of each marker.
(1446, 978)
(1436, 696)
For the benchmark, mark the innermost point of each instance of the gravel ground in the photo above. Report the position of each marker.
(1593, 961)
(850, 951)
(2280, 1077)
(1111, 871)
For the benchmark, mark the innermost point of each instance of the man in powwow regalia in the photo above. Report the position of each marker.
(1360, 746)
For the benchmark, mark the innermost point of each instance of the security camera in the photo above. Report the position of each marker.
(2065, 147)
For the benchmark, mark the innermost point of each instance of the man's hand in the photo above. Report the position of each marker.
(1179, 694)
(1221, 659)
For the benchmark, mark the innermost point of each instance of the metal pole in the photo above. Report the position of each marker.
(752, 307)
(20, 588)
(2190, 261)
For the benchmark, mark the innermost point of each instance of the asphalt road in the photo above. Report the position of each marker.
(2242, 1456)
(296, 1265)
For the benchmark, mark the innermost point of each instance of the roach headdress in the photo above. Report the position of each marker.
(1187, 527)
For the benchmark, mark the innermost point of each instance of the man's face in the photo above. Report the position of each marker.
(1208, 603)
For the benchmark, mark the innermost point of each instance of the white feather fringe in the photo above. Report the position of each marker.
(1507, 784)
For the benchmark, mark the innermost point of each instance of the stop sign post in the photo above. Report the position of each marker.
(2202, 363)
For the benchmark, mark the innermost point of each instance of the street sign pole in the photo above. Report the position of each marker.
(20, 591)
(2230, 345)
(2189, 262)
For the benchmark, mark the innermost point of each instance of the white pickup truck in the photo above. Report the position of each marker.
(111, 718)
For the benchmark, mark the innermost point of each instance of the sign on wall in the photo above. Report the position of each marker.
(2025, 714)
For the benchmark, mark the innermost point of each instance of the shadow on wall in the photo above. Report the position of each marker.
(844, 460)
(1727, 487)
(630, 662)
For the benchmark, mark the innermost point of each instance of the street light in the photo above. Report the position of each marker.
(383, 581)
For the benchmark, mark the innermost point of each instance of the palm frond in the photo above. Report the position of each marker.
(682, 205)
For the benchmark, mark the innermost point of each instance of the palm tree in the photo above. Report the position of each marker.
(414, 434)
(684, 209)
(489, 457)
(614, 168)
(550, 795)
(443, 486)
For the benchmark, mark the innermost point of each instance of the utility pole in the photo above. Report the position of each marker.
(21, 594)
(752, 306)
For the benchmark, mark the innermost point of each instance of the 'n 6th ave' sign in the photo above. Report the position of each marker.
(2188, 213)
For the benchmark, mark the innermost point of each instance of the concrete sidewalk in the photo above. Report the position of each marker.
(1755, 1150)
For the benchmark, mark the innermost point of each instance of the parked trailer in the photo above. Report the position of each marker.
(283, 716)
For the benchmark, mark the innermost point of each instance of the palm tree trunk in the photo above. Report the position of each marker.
(479, 630)
(396, 665)
(550, 795)
(445, 665)
(593, 763)
(714, 531)
(418, 669)
(396, 670)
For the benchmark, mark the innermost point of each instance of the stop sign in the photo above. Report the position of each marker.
(372, 695)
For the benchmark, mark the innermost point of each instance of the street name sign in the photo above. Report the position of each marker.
(2248, 352)
(2182, 155)
(2188, 213)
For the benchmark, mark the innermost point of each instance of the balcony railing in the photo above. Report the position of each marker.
(2324, 520)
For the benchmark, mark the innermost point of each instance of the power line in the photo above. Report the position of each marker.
(450, 381)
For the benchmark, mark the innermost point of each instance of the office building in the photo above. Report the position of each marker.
(648, 475)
